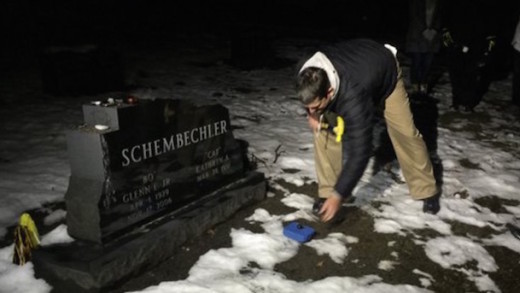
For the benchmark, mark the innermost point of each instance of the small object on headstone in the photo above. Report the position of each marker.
(298, 232)
(131, 100)
(101, 127)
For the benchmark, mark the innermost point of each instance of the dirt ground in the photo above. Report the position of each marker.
(363, 258)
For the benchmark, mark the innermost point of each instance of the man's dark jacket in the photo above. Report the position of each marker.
(368, 74)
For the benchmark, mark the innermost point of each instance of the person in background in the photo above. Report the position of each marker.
(516, 65)
(344, 85)
(470, 29)
(423, 40)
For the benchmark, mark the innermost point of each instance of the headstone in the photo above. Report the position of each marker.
(154, 157)
(145, 177)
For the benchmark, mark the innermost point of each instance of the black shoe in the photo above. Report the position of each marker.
(316, 207)
(431, 204)
(339, 217)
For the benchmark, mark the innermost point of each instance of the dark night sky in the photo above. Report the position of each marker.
(28, 26)
(41, 23)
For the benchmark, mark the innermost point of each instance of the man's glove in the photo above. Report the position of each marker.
(491, 42)
(334, 123)
(447, 40)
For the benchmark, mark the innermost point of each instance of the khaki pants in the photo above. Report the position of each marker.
(409, 146)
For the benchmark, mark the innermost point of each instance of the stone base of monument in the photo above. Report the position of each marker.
(83, 266)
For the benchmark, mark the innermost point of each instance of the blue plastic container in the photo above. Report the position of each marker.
(298, 232)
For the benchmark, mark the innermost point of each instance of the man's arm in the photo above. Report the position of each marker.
(357, 142)
(357, 113)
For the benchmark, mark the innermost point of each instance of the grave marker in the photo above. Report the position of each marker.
(145, 177)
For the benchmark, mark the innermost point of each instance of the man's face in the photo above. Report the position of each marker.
(317, 106)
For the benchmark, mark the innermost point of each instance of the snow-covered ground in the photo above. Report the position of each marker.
(479, 155)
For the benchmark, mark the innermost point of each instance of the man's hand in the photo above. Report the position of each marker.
(330, 208)
(429, 34)
(314, 124)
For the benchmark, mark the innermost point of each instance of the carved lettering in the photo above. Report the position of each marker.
(157, 147)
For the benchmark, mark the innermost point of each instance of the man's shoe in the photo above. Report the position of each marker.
(431, 204)
(339, 217)
(316, 207)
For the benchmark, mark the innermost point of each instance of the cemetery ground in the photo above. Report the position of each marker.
(362, 259)
(406, 260)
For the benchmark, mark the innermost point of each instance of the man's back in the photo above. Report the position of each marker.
(363, 65)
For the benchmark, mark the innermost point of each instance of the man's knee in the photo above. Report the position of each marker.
(404, 132)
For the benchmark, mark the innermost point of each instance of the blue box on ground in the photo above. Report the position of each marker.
(298, 232)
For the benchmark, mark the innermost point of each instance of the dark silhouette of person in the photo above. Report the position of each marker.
(423, 40)
(470, 29)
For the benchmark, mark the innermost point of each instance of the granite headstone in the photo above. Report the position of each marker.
(133, 163)
(146, 176)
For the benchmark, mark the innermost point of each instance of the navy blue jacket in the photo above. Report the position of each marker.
(368, 75)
